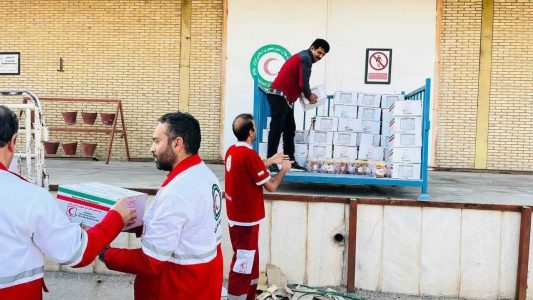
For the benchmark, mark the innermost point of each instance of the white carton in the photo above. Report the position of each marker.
(370, 153)
(346, 124)
(263, 149)
(346, 98)
(264, 137)
(404, 155)
(385, 115)
(387, 100)
(365, 139)
(384, 141)
(372, 127)
(369, 114)
(326, 123)
(344, 111)
(301, 137)
(369, 100)
(269, 119)
(404, 171)
(318, 90)
(405, 124)
(345, 152)
(300, 150)
(320, 151)
(405, 139)
(87, 203)
(406, 108)
(345, 138)
(321, 137)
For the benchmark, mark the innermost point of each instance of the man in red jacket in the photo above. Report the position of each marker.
(291, 82)
(32, 226)
(180, 256)
(246, 176)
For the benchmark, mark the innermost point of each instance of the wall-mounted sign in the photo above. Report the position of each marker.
(266, 63)
(9, 63)
(378, 66)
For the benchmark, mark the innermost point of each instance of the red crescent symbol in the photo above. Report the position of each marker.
(70, 209)
(265, 66)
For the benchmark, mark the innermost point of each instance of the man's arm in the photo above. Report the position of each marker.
(275, 181)
(306, 74)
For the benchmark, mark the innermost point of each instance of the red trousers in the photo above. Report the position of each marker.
(244, 268)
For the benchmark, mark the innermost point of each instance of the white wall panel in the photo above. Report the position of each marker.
(369, 247)
(401, 249)
(441, 252)
(509, 254)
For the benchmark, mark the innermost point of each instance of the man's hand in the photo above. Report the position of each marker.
(127, 213)
(313, 98)
(286, 165)
(278, 158)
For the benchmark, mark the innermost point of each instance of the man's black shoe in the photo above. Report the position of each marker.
(295, 166)
(273, 168)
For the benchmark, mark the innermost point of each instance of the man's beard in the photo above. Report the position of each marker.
(165, 161)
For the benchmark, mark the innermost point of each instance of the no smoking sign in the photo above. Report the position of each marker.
(378, 66)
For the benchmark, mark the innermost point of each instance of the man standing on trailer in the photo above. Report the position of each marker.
(246, 175)
(180, 255)
(32, 226)
(291, 82)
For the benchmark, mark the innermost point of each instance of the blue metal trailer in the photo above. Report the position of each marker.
(262, 111)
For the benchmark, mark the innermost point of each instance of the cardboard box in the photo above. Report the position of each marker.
(369, 114)
(301, 137)
(406, 108)
(405, 124)
(404, 171)
(384, 141)
(401, 139)
(372, 127)
(263, 149)
(370, 153)
(344, 111)
(387, 100)
(320, 151)
(346, 98)
(365, 139)
(87, 203)
(369, 100)
(344, 152)
(320, 91)
(264, 137)
(345, 138)
(404, 155)
(385, 116)
(269, 119)
(326, 123)
(353, 125)
(300, 150)
(321, 137)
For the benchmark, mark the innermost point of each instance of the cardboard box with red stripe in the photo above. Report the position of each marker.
(87, 203)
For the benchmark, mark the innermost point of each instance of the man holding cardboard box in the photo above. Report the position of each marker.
(291, 82)
(180, 255)
(32, 226)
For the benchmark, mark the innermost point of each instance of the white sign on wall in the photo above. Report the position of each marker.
(9, 63)
(378, 66)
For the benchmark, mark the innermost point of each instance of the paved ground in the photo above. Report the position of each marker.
(443, 186)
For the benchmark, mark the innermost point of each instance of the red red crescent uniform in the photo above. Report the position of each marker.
(245, 175)
(180, 257)
(32, 226)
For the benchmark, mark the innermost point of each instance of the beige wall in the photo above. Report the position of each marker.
(510, 132)
(127, 50)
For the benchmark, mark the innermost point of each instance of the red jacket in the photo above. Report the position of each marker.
(293, 77)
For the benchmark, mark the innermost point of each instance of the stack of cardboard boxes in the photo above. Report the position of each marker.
(365, 134)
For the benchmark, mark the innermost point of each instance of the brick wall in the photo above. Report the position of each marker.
(511, 94)
(458, 83)
(510, 133)
(127, 50)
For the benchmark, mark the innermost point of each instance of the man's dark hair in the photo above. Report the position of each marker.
(183, 125)
(320, 43)
(9, 125)
(242, 126)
